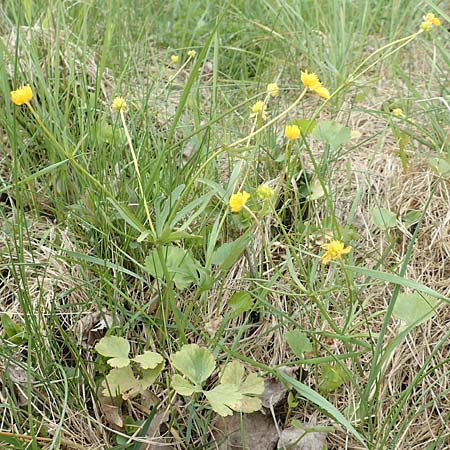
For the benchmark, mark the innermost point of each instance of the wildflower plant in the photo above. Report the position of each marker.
(124, 379)
(180, 252)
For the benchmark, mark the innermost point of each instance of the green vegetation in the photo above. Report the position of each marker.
(174, 232)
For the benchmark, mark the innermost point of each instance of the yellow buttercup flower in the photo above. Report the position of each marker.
(272, 89)
(259, 108)
(436, 22)
(397, 112)
(265, 192)
(426, 26)
(191, 53)
(22, 95)
(174, 58)
(323, 92)
(292, 131)
(237, 201)
(310, 80)
(334, 250)
(430, 21)
(119, 104)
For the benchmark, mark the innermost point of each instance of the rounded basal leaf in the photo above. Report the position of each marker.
(383, 218)
(181, 266)
(298, 342)
(194, 362)
(119, 381)
(116, 348)
(149, 360)
(224, 397)
(183, 386)
(150, 375)
(332, 377)
(332, 133)
(414, 308)
(253, 385)
(248, 405)
(233, 373)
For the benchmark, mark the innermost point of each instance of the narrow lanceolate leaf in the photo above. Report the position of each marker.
(116, 348)
(149, 360)
(396, 279)
(223, 398)
(329, 409)
(194, 362)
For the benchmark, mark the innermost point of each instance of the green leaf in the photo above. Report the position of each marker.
(396, 279)
(149, 376)
(411, 217)
(298, 342)
(227, 254)
(439, 165)
(233, 374)
(316, 190)
(180, 265)
(224, 398)
(119, 381)
(14, 332)
(322, 403)
(240, 302)
(173, 236)
(414, 308)
(383, 218)
(306, 125)
(194, 362)
(149, 360)
(332, 377)
(115, 347)
(183, 386)
(106, 133)
(332, 133)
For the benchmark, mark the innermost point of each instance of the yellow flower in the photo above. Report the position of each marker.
(265, 192)
(426, 26)
(436, 22)
(310, 80)
(430, 20)
(397, 112)
(292, 131)
(323, 92)
(22, 95)
(237, 201)
(272, 89)
(334, 250)
(174, 58)
(191, 54)
(259, 108)
(119, 104)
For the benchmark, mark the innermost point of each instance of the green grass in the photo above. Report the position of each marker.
(91, 199)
